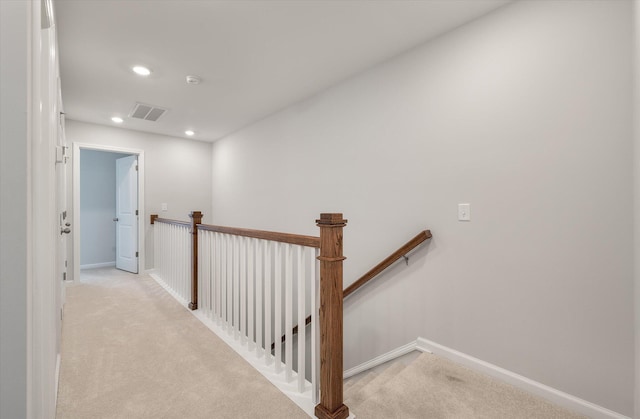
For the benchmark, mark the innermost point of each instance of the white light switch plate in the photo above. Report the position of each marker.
(164, 207)
(464, 212)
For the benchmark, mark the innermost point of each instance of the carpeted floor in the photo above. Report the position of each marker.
(130, 351)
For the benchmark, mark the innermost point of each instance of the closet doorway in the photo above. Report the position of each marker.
(107, 194)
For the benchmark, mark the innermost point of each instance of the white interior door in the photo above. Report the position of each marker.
(61, 206)
(127, 214)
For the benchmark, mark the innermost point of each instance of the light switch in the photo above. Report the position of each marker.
(164, 207)
(464, 212)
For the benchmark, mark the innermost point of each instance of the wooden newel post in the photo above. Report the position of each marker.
(331, 379)
(196, 218)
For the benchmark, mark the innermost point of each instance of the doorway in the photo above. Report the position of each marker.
(100, 211)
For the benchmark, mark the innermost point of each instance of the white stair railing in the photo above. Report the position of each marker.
(254, 289)
(247, 285)
(172, 253)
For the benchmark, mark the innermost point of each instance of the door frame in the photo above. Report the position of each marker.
(76, 201)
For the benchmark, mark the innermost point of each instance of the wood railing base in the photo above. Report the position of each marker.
(341, 412)
(193, 306)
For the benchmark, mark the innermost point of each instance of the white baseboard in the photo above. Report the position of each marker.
(379, 360)
(57, 377)
(98, 265)
(555, 396)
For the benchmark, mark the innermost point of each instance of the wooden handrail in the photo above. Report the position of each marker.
(402, 251)
(376, 270)
(156, 219)
(309, 241)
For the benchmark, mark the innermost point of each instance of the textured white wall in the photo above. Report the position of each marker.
(97, 206)
(14, 161)
(525, 114)
(177, 171)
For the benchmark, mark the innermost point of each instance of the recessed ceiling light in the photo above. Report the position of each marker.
(117, 119)
(143, 71)
(193, 79)
(189, 132)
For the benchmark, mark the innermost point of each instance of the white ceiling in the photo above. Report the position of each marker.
(255, 57)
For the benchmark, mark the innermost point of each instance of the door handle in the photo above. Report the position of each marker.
(65, 230)
(115, 219)
(67, 224)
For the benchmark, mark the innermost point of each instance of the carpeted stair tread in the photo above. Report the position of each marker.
(358, 381)
(358, 395)
(355, 385)
(435, 388)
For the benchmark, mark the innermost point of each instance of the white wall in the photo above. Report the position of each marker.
(177, 171)
(13, 207)
(98, 206)
(526, 115)
(636, 113)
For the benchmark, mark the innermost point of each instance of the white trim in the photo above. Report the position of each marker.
(549, 393)
(76, 200)
(379, 360)
(97, 265)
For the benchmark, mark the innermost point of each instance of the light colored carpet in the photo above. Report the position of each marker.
(129, 350)
(432, 387)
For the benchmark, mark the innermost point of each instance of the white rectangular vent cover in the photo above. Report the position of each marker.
(146, 112)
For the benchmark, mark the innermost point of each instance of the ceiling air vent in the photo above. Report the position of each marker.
(146, 112)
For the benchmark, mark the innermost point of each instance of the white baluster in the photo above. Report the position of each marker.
(267, 302)
(216, 276)
(250, 291)
(178, 265)
(229, 284)
(288, 305)
(172, 275)
(225, 281)
(236, 287)
(186, 272)
(201, 275)
(243, 289)
(220, 262)
(185, 282)
(206, 259)
(212, 273)
(302, 278)
(278, 307)
(259, 296)
(315, 339)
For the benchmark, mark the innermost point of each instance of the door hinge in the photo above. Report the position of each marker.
(136, 212)
(64, 276)
(136, 167)
(136, 254)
